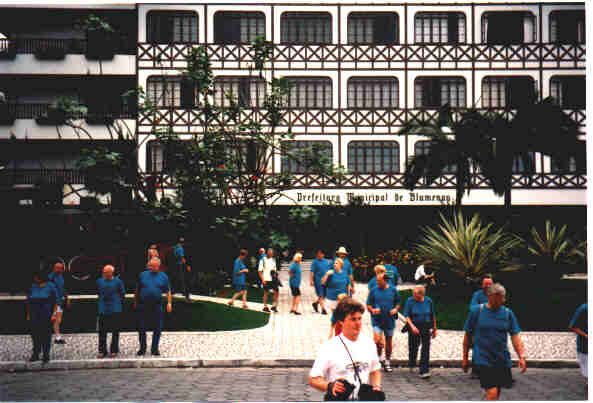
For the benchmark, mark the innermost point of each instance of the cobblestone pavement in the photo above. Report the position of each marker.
(268, 384)
(285, 337)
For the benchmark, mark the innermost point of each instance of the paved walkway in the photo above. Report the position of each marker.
(269, 384)
(286, 340)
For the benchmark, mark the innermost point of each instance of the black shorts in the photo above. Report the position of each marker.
(269, 286)
(295, 291)
(495, 377)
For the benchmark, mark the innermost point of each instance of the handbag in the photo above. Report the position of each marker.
(366, 391)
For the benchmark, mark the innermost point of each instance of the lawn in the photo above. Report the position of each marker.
(253, 294)
(186, 316)
(538, 307)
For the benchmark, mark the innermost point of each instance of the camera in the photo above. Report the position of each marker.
(348, 388)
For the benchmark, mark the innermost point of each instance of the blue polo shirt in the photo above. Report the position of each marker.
(490, 329)
(179, 253)
(337, 283)
(385, 299)
(392, 274)
(152, 286)
(579, 320)
(110, 293)
(319, 268)
(479, 297)
(41, 301)
(419, 312)
(58, 280)
(239, 278)
(295, 279)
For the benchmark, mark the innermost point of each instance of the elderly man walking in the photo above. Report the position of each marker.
(490, 323)
(267, 269)
(111, 294)
(147, 300)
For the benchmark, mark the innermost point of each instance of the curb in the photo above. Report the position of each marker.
(65, 365)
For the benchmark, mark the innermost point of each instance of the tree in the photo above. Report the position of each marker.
(463, 146)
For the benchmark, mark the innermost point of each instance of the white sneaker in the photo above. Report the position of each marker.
(425, 375)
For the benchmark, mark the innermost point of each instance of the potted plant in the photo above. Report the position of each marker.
(101, 41)
(59, 111)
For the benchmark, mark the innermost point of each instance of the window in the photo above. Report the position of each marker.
(508, 27)
(305, 28)
(373, 28)
(439, 28)
(310, 92)
(160, 157)
(435, 92)
(373, 157)
(567, 26)
(503, 92)
(246, 91)
(373, 92)
(520, 166)
(568, 91)
(318, 149)
(423, 148)
(238, 27)
(573, 162)
(171, 92)
(172, 26)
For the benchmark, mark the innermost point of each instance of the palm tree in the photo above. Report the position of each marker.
(538, 127)
(464, 145)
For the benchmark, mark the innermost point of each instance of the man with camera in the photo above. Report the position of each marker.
(347, 366)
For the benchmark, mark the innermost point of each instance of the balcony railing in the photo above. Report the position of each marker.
(396, 181)
(9, 177)
(360, 121)
(69, 46)
(32, 111)
(352, 56)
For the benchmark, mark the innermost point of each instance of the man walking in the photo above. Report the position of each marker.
(111, 294)
(347, 267)
(346, 357)
(183, 269)
(383, 303)
(260, 255)
(489, 325)
(267, 269)
(319, 267)
(239, 273)
(147, 300)
(480, 296)
(57, 278)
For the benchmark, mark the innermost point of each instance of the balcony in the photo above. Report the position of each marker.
(11, 177)
(437, 56)
(33, 111)
(349, 121)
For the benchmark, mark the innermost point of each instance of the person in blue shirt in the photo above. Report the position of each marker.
(147, 300)
(319, 267)
(578, 324)
(383, 304)
(490, 324)
(41, 310)
(57, 278)
(183, 269)
(380, 269)
(337, 282)
(239, 273)
(392, 274)
(421, 320)
(480, 297)
(343, 254)
(261, 254)
(111, 294)
(294, 271)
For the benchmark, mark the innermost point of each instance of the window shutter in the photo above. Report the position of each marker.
(243, 96)
(384, 30)
(187, 93)
(573, 91)
(453, 28)
(520, 91)
(506, 28)
(251, 158)
(166, 29)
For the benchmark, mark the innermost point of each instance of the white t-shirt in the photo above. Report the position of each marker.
(267, 265)
(419, 272)
(333, 361)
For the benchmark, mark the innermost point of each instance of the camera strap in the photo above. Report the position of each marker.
(353, 364)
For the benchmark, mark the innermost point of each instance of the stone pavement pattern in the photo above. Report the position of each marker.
(286, 336)
(268, 384)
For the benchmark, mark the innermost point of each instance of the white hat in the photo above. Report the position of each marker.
(341, 249)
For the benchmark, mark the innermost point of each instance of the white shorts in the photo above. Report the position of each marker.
(331, 304)
(59, 310)
(583, 363)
